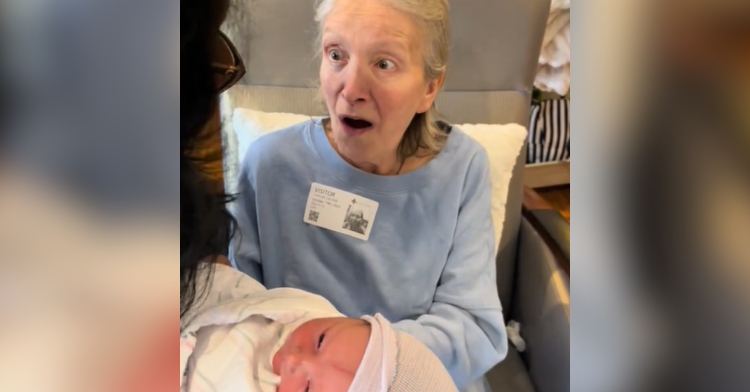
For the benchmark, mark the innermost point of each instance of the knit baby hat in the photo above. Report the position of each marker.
(418, 369)
(397, 362)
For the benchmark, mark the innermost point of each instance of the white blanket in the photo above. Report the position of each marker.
(228, 341)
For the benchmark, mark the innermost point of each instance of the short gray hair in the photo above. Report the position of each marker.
(433, 15)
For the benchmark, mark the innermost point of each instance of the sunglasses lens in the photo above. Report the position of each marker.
(225, 80)
(227, 64)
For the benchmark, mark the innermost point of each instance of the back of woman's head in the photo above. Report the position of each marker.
(205, 224)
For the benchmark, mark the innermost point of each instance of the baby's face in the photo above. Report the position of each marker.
(322, 355)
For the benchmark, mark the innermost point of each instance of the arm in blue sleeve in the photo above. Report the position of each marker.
(244, 248)
(464, 326)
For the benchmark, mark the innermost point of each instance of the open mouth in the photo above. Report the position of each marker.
(356, 123)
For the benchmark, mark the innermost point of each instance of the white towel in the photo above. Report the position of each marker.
(559, 5)
(556, 44)
(553, 72)
(549, 78)
(227, 343)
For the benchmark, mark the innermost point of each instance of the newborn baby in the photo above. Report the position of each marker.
(243, 337)
(322, 355)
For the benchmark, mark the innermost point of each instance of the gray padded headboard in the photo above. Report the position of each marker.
(494, 51)
(495, 47)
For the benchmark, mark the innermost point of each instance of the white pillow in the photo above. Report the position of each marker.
(502, 142)
(250, 124)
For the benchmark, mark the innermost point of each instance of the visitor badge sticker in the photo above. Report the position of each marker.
(340, 211)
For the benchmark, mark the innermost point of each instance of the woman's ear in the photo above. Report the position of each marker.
(433, 87)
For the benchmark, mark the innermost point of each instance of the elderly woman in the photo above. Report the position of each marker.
(423, 251)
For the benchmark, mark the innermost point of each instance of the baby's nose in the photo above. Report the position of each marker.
(293, 362)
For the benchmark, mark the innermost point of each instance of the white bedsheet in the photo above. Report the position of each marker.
(228, 341)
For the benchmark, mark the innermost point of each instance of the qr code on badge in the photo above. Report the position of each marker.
(313, 216)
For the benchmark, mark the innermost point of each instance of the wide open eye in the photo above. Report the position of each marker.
(334, 55)
(386, 64)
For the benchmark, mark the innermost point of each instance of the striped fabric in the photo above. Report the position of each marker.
(549, 131)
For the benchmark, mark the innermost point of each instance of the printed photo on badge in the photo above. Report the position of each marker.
(356, 218)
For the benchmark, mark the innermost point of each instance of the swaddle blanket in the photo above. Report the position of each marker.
(227, 342)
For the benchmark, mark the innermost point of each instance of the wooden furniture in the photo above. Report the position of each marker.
(550, 224)
(541, 175)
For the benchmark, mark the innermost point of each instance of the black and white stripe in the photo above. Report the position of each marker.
(549, 131)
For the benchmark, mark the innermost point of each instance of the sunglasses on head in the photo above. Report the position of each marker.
(227, 64)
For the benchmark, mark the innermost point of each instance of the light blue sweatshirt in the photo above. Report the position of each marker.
(429, 263)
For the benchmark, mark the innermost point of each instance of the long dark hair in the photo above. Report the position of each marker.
(205, 223)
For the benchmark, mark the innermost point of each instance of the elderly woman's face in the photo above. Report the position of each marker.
(372, 76)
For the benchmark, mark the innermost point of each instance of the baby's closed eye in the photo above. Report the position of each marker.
(320, 340)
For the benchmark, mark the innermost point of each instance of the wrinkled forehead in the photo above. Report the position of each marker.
(377, 20)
